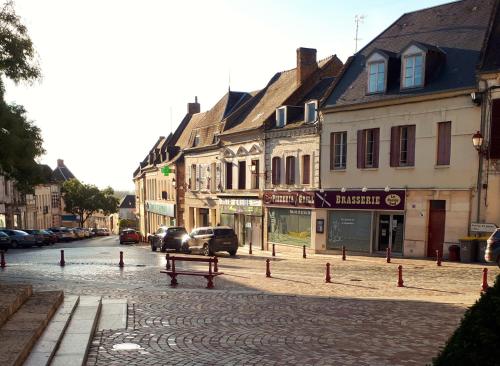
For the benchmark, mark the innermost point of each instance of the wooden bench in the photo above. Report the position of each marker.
(173, 273)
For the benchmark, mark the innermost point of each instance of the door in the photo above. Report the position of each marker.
(257, 232)
(239, 228)
(384, 232)
(390, 232)
(435, 235)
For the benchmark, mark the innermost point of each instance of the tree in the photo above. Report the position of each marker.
(86, 199)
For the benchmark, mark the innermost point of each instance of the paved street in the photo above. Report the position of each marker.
(362, 318)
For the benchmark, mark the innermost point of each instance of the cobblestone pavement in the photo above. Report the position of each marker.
(362, 318)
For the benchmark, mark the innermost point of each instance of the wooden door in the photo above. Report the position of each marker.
(435, 235)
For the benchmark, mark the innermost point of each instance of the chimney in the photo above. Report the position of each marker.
(194, 107)
(306, 63)
(60, 163)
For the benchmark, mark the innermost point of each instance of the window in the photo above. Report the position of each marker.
(494, 145)
(276, 170)
(290, 170)
(444, 143)
(376, 77)
(368, 148)
(413, 71)
(402, 146)
(338, 150)
(306, 169)
(310, 111)
(242, 174)
(229, 175)
(196, 140)
(192, 180)
(255, 174)
(281, 117)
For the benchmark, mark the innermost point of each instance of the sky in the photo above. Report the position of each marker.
(117, 74)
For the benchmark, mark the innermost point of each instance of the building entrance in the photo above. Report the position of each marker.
(390, 232)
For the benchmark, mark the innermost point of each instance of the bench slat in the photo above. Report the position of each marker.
(188, 273)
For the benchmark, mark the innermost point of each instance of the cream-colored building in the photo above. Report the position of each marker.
(398, 167)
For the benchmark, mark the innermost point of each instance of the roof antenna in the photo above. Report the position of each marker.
(358, 19)
(229, 81)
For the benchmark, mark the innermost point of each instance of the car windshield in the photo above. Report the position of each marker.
(177, 231)
(496, 235)
(129, 231)
(223, 232)
(3, 234)
(19, 232)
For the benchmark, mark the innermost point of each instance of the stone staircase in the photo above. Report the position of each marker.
(46, 328)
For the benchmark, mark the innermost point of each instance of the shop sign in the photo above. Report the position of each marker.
(246, 210)
(297, 198)
(356, 200)
(478, 227)
(165, 209)
(240, 202)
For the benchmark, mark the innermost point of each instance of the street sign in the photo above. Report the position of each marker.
(478, 227)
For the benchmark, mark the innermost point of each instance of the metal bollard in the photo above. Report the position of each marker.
(438, 258)
(274, 251)
(485, 286)
(216, 261)
(304, 255)
(167, 257)
(250, 248)
(121, 264)
(268, 268)
(2, 259)
(343, 252)
(388, 255)
(62, 263)
(328, 278)
(400, 276)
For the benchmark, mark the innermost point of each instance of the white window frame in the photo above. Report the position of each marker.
(307, 107)
(403, 162)
(283, 124)
(384, 75)
(369, 152)
(196, 140)
(341, 156)
(403, 79)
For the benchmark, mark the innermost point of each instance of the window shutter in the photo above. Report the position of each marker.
(444, 143)
(495, 130)
(332, 150)
(198, 176)
(218, 181)
(190, 183)
(292, 170)
(395, 145)
(306, 169)
(361, 149)
(376, 144)
(274, 171)
(411, 145)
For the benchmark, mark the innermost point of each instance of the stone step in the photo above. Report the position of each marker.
(11, 299)
(113, 314)
(45, 348)
(79, 333)
(24, 327)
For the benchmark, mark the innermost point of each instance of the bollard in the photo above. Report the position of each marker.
(2, 259)
(388, 254)
(216, 261)
(484, 287)
(343, 252)
(62, 263)
(304, 255)
(274, 251)
(400, 276)
(328, 278)
(121, 264)
(249, 249)
(167, 257)
(438, 258)
(268, 268)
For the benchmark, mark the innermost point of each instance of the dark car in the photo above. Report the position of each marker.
(38, 236)
(4, 241)
(129, 236)
(63, 234)
(52, 236)
(209, 240)
(492, 253)
(19, 238)
(167, 238)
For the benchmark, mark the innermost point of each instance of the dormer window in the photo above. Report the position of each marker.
(413, 69)
(376, 80)
(281, 117)
(196, 140)
(311, 111)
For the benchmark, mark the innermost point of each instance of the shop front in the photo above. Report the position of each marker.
(289, 216)
(159, 214)
(370, 221)
(245, 216)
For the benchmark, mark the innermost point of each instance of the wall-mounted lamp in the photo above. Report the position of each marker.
(343, 189)
(479, 145)
(364, 189)
(387, 189)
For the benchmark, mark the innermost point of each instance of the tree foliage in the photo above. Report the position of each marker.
(85, 199)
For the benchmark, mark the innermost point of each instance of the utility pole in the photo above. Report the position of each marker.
(358, 19)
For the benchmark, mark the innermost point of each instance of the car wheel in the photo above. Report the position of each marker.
(232, 253)
(163, 249)
(206, 250)
(13, 244)
(153, 247)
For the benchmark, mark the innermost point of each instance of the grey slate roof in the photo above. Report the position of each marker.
(457, 29)
(62, 174)
(128, 201)
(491, 55)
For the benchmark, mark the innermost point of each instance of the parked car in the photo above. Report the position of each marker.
(167, 238)
(106, 231)
(209, 240)
(63, 234)
(19, 238)
(79, 232)
(4, 241)
(86, 232)
(52, 236)
(99, 232)
(129, 236)
(38, 236)
(492, 253)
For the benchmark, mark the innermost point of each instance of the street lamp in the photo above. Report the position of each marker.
(477, 142)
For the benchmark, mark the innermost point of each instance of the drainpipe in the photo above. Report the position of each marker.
(480, 169)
